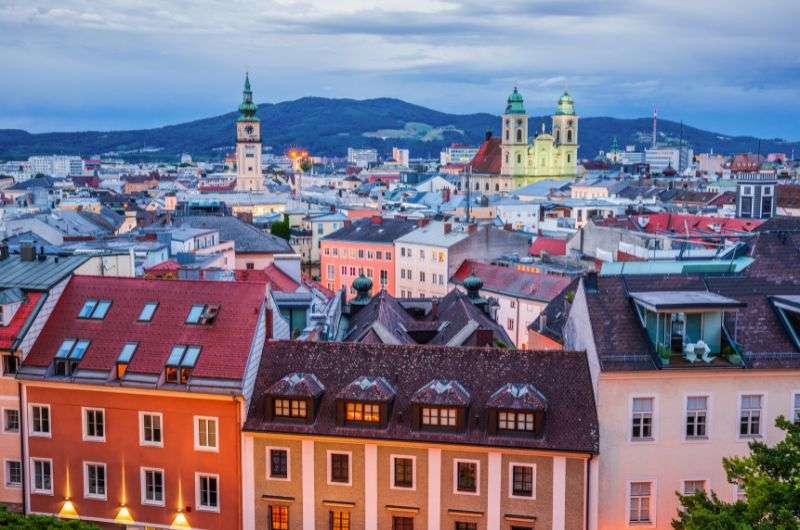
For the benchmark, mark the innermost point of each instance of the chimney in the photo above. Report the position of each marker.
(42, 256)
(422, 222)
(508, 227)
(590, 282)
(488, 136)
(472, 228)
(27, 252)
(446, 194)
(448, 228)
(347, 222)
(376, 219)
(333, 208)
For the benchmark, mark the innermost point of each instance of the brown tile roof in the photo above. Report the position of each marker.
(488, 159)
(512, 282)
(562, 377)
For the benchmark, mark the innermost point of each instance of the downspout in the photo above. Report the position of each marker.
(23, 460)
(588, 490)
(239, 423)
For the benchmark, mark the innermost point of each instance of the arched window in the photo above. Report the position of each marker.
(519, 135)
(569, 158)
(497, 187)
(477, 186)
(569, 136)
(558, 136)
(507, 158)
(519, 159)
(486, 186)
(507, 135)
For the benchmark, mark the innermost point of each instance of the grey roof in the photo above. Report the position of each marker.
(37, 275)
(371, 231)
(666, 300)
(434, 234)
(11, 296)
(247, 237)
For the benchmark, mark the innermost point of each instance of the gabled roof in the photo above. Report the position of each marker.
(14, 332)
(297, 384)
(366, 388)
(39, 275)
(225, 343)
(512, 282)
(247, 238)
(369, 230)
(553, 246)
(442, 392)
(488, 160)
(562, 377)
(518, 396)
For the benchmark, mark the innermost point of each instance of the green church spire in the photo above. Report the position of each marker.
(515, 103)
(247, 108)
(566, 106)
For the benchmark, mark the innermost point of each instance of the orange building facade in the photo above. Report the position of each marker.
(365, 246)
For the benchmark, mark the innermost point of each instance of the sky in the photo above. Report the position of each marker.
(729, 66)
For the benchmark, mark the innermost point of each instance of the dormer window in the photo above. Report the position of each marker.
(440, 405)
(362, 412)
(10, 302)
(124, 358)
(516, 409)
(148, 311)
(293, 398)
(68, 356)
(515, 421)
(439, 416)
(202, 314)
(290, 408)
(180, 363)
(95, 309)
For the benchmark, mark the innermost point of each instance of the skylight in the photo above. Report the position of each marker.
(180, 363)
(72, 349)
(94, 309)
(148, 311)
(195, 313)
(127, 352)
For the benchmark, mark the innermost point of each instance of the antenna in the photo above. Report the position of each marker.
(680, 151)
(655, 121)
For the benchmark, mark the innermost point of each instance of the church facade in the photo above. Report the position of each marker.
(549, 155)
(248, 144)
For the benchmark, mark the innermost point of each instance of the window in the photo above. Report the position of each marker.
(378, 254)
(510, 324)
(750, 416)
(290, 408)
(403, 274)
(207, 492)
(195, 313)
(421, 254)
(522, 480)
(152, 486)
(338, 468)
(361, 253)
(250, 265)
(690, 487)
(42, 475)
(402, 523)
(94, 309)
(331, 271)
(439, 416)
(696, 411)
(278, 518)
(640, 496)
(278, 463)
(384, 278)
(344, 271)
(403, 472)
(151, 429)
(10, 420)
(466, 526)
(40, 420)
(125, 357)
(10, 364)
(466, 476)
(421, 276)
(403, 251)
(388, 255)
(363, 412)
(642, 421)
(94, 425)
(340, 520)
(68, 356)
(180, 363)
(148, 311)
(205, 430)
(515, 421)
(13, 474)
(94, 480)
(796, 409)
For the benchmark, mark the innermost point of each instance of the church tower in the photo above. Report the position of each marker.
(565, 132)
(514, 144)
(248, 144)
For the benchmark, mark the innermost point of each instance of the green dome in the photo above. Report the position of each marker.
(515, 103)
(566, 106)
(472, 284)
(247, 109)
(363, 286)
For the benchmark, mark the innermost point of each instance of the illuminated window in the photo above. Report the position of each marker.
(439, 416)
(515, 421)
(279, 518)
(180, 363)
(340, 520)
(362, 412)
(125, 357)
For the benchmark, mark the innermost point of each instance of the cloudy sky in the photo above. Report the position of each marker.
(728, 65)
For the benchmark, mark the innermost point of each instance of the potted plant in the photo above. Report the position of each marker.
(664, 353)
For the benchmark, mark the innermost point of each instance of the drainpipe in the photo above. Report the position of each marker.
(588, 491)
(22, 460)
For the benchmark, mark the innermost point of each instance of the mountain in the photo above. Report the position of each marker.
(327, 127)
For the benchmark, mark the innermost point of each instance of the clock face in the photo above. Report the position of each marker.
(249, 130)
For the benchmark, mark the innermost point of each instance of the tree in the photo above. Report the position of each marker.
(280, 228)
(40, 522)
(770, 477)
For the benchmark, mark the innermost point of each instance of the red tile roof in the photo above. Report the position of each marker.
(505, 280)
(279, 280)
(552, 245)
(679, 224)
(488, 159)
(9, 335)
(169, 265)
(225, 343)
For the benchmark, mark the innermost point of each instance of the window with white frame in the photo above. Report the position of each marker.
(642, 419)
(40, 420)
(207, 492)
(277, 463)
(640, 502)
(696, 415)
(522, 480)
(94, 480)
(205, 433)
(94, 425)
(151, 425)
(152, 484)
(10, 420)
(42, 475)
(750, 415)
(690, 487)
(13, 478)
(741, 494)
(796, 409)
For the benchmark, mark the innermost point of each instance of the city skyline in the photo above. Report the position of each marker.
(64, 61)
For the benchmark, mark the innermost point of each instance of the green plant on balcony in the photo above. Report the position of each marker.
(664, 353)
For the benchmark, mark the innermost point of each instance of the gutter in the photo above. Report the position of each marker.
(588, 491)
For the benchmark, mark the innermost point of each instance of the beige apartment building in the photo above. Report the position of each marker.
(427, 257)
(337, 437)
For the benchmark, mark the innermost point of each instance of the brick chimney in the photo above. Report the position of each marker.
(448, 228)
(472, 228)
(376, 219)
(445, 194)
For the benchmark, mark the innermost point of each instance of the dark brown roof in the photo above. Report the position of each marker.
(442, 392)
(518, 396)
(562, 377)
(776, 250)
(297, 384)
(366, 388)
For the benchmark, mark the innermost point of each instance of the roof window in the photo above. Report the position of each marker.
(95, 309)
(202, 314)
(68, 356)
(125, 357)
(148, 311)
(180, 363)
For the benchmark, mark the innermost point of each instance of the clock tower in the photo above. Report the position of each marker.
(248, 144)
